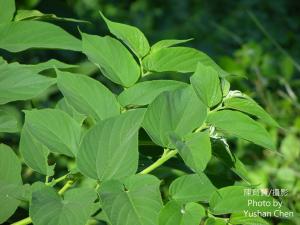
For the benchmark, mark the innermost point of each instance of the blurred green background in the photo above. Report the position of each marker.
(256, 39)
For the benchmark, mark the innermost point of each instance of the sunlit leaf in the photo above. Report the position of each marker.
(18, 36)
(109, 150)
(143, 93)
(87, 95)
(130, 35)
(178, 111)
(47, 207)
(136, 201)
(240, 125)
(10, 182)
(113, 59)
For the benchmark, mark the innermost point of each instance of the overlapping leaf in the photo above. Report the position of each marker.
(136, 201)
(17, 83)
(248, 105)
(113, 59)
(34, 153)
(175, 213)
(178, 59)
(206, 84)
(88, 96)
(144, 93)
(130, 35)
(192, 188)
(55, 129)
(18, 36)
(240, 125)
(47, 207)
(7, 9)
(195, 149)
(109, 150)
(179, 111)
(10, 182)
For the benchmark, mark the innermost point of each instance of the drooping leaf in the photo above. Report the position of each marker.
(87, 95)
(178, 111)
(50, 64)
(206, 84)
(8, 122)
(249, 106)
(192, 188)
(18, 36)
(113, 59)
(143, 93)
(7, 9)
(109, 150)
(63, 105)
(175, 213)
(235, 199)
(47, 207)
(240, 218)
(167, 43)
(240, 125)
(130, 35)
(17, 83)
(10, 182)
(136, 201)
(195, 149)
(55, 129)
(24, 14)
(178, 59)
(226, 156)
(34, 153)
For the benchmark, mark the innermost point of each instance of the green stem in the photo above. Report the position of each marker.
(23, 221)
(165, 157)
(141, 66)
(66, 187)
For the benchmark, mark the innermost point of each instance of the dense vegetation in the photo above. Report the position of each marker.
(85, 119)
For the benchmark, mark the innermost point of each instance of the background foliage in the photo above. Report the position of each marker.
(256, 39)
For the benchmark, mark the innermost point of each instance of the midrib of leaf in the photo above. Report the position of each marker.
(133, 207)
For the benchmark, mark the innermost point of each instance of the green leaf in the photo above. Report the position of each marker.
(178, 111)
(87, 95)
(130, 35)
(206, 84)
(176, 214)
(195, 149)
(34, 153)
(17, 83)
(7, 9)
(192, 188)
(239, 125)
(109, 150)
(63, 105)
(249, 106)
(10, 182)
(136, 201)
(234, 199)
(143, 93)
(55, 129)
(8, 122)
(240, 218)
(113, 59)
(47, 207)
(178, 59)
(50, 64)
(24, 14)
(18, 36)
(167, 43)
(215, 221)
